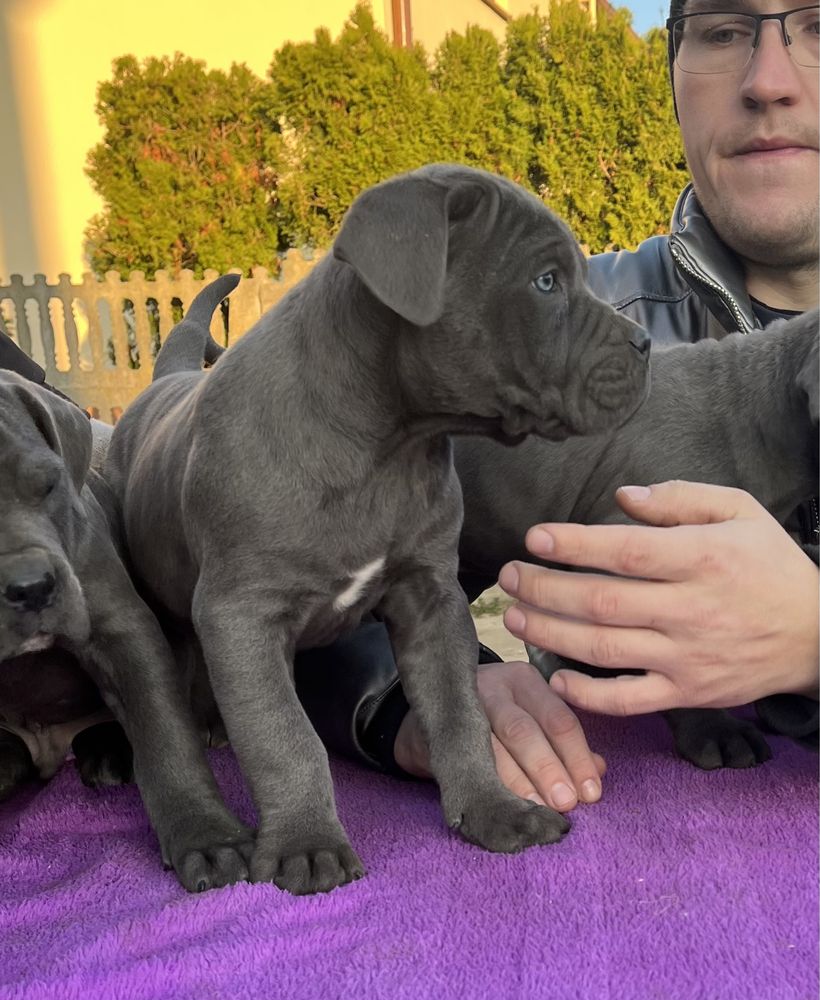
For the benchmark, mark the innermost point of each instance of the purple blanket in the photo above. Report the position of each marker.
(678, 884)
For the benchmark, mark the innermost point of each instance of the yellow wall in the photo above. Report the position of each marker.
(429, 28)
(52, 55)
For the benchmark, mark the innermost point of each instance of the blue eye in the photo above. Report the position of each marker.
(545, 282)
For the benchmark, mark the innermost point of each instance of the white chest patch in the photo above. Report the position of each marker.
(358, 582)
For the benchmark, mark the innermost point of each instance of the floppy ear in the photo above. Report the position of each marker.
(396, 236)
(808, 378)
(65, 427)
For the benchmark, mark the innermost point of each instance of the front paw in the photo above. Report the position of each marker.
(712, 738)
(502, 822)
(318, 863)
(103, 755)
(210, 853)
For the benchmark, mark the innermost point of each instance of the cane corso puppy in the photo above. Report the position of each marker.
(64, 589)
(307, 479)
(49, 704)
(741, 411)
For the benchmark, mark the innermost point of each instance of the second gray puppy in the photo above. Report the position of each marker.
(741, 411)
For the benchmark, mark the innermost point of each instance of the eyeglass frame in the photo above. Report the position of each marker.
(757, 18)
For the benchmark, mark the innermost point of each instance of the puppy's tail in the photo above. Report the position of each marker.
(190, 342)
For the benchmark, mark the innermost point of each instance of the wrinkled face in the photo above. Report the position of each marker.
(40, 597)
(523, 341)
(751, 139)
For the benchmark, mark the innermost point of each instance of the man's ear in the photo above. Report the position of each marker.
(65, 427)
(396, 238)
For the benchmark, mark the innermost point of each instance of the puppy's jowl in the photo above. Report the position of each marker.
(307, 479)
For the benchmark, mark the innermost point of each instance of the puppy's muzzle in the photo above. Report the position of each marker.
(28, 582)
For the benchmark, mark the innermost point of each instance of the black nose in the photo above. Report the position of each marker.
(640, 341)
(30, 592)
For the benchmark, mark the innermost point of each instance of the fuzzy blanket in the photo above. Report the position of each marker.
(678, 884)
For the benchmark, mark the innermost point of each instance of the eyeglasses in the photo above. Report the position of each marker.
(724, 41)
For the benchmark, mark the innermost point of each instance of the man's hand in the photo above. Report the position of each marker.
(541, 752)
(716, 602)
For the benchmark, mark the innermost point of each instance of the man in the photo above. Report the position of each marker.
(729, 612)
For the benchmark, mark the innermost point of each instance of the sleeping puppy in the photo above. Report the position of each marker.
(49, 704)
(78, 645)
(741, 411)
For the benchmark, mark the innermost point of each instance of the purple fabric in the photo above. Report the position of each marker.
(678, 884)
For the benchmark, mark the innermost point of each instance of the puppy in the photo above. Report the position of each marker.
(49, 704)
(741, 411)
(72, 625)
(307, 479)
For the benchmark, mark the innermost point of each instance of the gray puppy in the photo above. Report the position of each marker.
(64, 588)
(307, 479)
(741, 411)
(49, 704)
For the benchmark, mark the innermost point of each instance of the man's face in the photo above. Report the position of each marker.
(751, 140)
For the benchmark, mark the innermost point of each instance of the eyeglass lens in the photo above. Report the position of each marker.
(716, 42)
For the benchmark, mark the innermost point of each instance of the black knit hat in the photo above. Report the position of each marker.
(675, 7)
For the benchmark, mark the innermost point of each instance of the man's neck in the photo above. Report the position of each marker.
(795, 289)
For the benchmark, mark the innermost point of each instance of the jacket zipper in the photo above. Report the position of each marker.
(724, 293)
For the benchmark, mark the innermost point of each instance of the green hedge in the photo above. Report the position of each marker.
(200, 168)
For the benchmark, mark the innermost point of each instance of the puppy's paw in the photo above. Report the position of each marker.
(711, 739)
(210, 853)
(505, 823)
(318, 864)
(16, 765)
(103, 755)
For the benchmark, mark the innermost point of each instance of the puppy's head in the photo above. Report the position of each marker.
(45, 450)
(498, 322)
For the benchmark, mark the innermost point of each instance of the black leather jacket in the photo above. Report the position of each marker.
(681, 287)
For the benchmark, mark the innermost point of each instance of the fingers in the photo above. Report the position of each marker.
(599, 645)
(628, 550)
(540, 748)
(639, 550)
(626, 695)
(543, 778)
(679, 502)
(606, 600)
